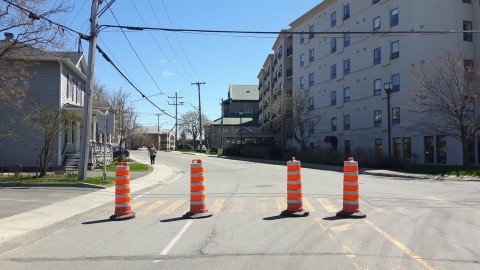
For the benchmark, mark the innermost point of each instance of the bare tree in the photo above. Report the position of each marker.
(100, 91)
(126, 124)
(304, 120)
(190, 124)
(447, 97)
(281, 109)
(25, 18)
(48, 122)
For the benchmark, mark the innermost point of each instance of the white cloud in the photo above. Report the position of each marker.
(163, 61)
(167, 73)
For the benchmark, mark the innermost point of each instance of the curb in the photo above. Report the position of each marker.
(81, 185)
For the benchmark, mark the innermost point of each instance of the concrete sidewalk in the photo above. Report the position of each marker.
(14, 226)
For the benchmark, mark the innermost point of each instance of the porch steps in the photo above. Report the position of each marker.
(71, 161)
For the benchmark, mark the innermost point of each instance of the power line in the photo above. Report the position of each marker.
(286, 33)
(136, 54)
(181, 46)
(105, 56)
(158, 45)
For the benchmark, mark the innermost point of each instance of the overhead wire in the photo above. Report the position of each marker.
(158, 45)
(178, 39)
(136, 54)
(170, 44)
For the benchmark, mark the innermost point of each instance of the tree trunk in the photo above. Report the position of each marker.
(466, 153)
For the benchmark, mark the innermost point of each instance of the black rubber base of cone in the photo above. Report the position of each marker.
(198, 215)
(124, 217)
(287, 213)
(358, 214)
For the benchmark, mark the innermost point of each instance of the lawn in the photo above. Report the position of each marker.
(440, 170)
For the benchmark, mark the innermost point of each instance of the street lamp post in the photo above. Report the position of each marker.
(388, 89)
(241, 137)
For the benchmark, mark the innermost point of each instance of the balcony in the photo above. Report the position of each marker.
(289, 72)
(289, 51)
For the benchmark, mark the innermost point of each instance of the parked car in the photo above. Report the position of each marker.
(142, 148)
(202, 147)
(119, 151)
(213, 150)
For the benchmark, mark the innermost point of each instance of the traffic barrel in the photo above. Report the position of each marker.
(123, 207)
(198, 207)
(351, 195)
(294, 190)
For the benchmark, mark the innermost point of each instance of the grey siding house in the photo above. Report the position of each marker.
(54, 79)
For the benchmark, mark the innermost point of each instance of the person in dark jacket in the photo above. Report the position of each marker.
(152, 152)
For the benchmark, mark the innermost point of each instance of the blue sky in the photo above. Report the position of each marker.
(176, 60)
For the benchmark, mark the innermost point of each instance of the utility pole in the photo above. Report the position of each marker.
(158, 131)
(199, 111)
(87, 112)
(176, 115)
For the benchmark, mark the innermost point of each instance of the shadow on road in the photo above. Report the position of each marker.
(172, 219)
(96, 221)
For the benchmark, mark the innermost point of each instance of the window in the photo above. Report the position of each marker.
(346, 67)
(376, 24)
(467, 1)
(377, 118)
(346, 94)
(378, 145)
(333, 19)
(280, 51)
(311, 127)
(396, 115)
(377, 87)
(333, 45)
(395, 50)
(302, 60)
(333, 123)
(311, 78)
(333, 98)
(312, 55)
(428, 147)
(375, 1)
(312, 145)
(346, 122)
(467, 26)
(346, 39)
(394, 17)
(311, 103)
(302, 38)
(407, 149)
(377, 56)
(396, 82)
(312, 29)
(69, 85)
(348, 149)
(346, 11)
(333, 71)
(302, 82)
(441, 149)
(397, 148)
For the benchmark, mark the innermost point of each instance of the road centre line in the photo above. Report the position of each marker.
(176, 238)
(400, 246)
(346, 250)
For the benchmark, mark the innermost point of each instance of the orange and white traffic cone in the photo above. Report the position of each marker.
(123, 207)
(198, 207)
(351, 195)
(294, 190)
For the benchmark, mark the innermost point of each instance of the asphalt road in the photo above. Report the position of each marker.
(410, 224)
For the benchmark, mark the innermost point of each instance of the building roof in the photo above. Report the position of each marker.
(154, 130)
(243, 92)
(235, 121)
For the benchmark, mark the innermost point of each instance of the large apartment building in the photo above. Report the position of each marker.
(345, 72)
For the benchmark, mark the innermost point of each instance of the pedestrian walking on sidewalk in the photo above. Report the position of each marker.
(152, 152)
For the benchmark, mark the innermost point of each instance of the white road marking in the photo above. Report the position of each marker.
(176, 238)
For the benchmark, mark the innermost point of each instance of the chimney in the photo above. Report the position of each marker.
(8, 36)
